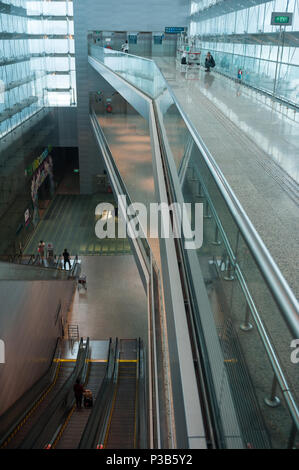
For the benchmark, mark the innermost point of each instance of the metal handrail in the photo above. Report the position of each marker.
(101, 440)
(90, 432)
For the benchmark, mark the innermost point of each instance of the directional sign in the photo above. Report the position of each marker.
(174, 29)
(281, 18)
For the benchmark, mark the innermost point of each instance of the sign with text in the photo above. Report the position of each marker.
(174, 29)
(38, 161)
(281, 18)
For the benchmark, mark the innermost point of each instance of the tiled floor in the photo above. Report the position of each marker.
(70, 222)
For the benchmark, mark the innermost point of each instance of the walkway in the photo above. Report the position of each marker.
(256, 148)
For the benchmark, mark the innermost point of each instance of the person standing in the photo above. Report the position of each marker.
(41, 251)
(66, 258)
(209, 62)
(184, 58)
(125, 47)
(78, 390)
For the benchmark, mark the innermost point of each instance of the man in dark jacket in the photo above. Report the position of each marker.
(66, 258)
(78, 390)
(209, 62)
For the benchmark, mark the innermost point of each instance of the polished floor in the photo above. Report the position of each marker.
(69, 222)
(114, 304)
(257, 149)
(128, 137)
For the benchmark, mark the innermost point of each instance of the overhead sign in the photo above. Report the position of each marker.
(45, 169)
(174, 29)
(133, 38)
(37, 162)
(281, 19)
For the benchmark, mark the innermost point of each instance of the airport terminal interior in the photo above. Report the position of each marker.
(149, 224)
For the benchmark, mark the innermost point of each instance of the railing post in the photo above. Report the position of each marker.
(216, 239)
(246, 326)
(273, 401)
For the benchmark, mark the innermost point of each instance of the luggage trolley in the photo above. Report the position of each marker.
(82, 282)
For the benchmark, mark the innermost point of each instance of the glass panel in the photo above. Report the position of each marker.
(140, 72)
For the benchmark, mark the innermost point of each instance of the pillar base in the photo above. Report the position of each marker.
(272, 403)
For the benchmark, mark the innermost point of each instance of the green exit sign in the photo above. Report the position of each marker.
(281, 18)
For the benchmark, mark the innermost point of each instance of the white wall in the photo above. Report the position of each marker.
(29, 330)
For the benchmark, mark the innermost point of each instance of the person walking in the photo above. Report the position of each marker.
(78, 390)
(66, 258)
(209, 62)
(184, 58)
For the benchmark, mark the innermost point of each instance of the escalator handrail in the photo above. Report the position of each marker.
(141, 413)
(60, 396)
(104, 431)
(51, 372)
(88, 438)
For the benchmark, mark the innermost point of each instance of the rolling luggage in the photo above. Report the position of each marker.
(88, 400)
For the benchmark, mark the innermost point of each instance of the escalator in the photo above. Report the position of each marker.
(69, 432)
(121, 425)
(64, 370)
(23, 425)
(32, 430)
(117, 418)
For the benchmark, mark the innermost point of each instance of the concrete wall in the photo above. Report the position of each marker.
(29, 328)
(132, 15)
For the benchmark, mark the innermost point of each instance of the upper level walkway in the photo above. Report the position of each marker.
(256, 148)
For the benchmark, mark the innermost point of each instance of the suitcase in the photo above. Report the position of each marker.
(88, 400)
